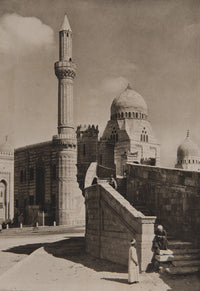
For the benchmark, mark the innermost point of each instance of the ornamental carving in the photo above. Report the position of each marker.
(62, 74)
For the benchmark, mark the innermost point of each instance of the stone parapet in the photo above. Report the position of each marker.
(111, 222)
(170, 194)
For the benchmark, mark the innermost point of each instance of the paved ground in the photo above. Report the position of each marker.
(56, 262)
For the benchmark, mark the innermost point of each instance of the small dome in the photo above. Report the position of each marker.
(129, 101)
(187, 148)
(6, 147)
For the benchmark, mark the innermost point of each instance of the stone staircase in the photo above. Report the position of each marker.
(181, 258)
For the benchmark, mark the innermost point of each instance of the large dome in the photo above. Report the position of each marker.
(187, 149)
(129, 104)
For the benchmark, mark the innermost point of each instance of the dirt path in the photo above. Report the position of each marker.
(60, 263)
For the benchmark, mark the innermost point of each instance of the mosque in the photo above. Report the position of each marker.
(128, 137)
(45, 173)
(49, 176)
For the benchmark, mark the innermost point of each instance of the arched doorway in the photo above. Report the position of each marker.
(3, 201)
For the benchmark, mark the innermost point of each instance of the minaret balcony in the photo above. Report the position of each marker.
(65, 70)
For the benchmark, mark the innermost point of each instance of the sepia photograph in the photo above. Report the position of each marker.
(99, 145)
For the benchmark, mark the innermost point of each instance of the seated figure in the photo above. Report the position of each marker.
(160, 240)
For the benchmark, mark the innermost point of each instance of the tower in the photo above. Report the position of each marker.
(70, 203)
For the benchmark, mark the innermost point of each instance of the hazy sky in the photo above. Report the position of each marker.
(154, 44)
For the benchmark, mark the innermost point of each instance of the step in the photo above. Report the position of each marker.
(185, 251)
(177, 244)
(182, 270)
(186, 263)
(184, 257)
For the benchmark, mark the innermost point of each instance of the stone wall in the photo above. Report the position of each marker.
(35, 181)
(172, 195)
(111, 222)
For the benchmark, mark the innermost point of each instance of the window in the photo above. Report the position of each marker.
(126, 114)
(129, 115)
(67, 34)
(54, 171)
(53, 200)
(133, 115)
(116, 136)
(17, 203)
(84, 150)
(122, 115)
(21, 176)
(31, 173)
(136, 115)
(31, 200)
(24, 175)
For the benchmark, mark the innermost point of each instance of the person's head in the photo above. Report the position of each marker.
(160, 227)
(133, 242)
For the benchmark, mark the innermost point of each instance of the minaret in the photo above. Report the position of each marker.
(65, 71)
(70, 202)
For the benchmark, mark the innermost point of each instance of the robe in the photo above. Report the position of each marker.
(160, 241)
(133, 268)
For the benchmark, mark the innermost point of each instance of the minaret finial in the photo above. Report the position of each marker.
(65, 25)
(188, 133)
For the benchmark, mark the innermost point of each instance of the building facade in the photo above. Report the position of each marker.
(45, 173)
(6, 182)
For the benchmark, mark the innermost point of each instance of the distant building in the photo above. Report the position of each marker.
(87, 150)
(6, 182)
(188, 155)
(45, 173)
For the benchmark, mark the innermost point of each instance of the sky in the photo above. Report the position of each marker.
(152, 44)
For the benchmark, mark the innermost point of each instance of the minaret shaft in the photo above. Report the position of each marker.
(65, 106)
(65, 45)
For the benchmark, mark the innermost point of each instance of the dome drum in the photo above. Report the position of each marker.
(129, 115)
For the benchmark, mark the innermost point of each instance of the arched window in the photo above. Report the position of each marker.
(129, 115)
(84, 150)
(147, 138)
(122, 115)
(67, 34)
(136, 115)
(117, 137)
(141, 137)
(126, 114)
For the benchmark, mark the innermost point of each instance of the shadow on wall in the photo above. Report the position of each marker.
(72, 249)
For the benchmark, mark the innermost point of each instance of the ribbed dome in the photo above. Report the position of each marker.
(6, 147)
(187, 148)
(128, 101)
